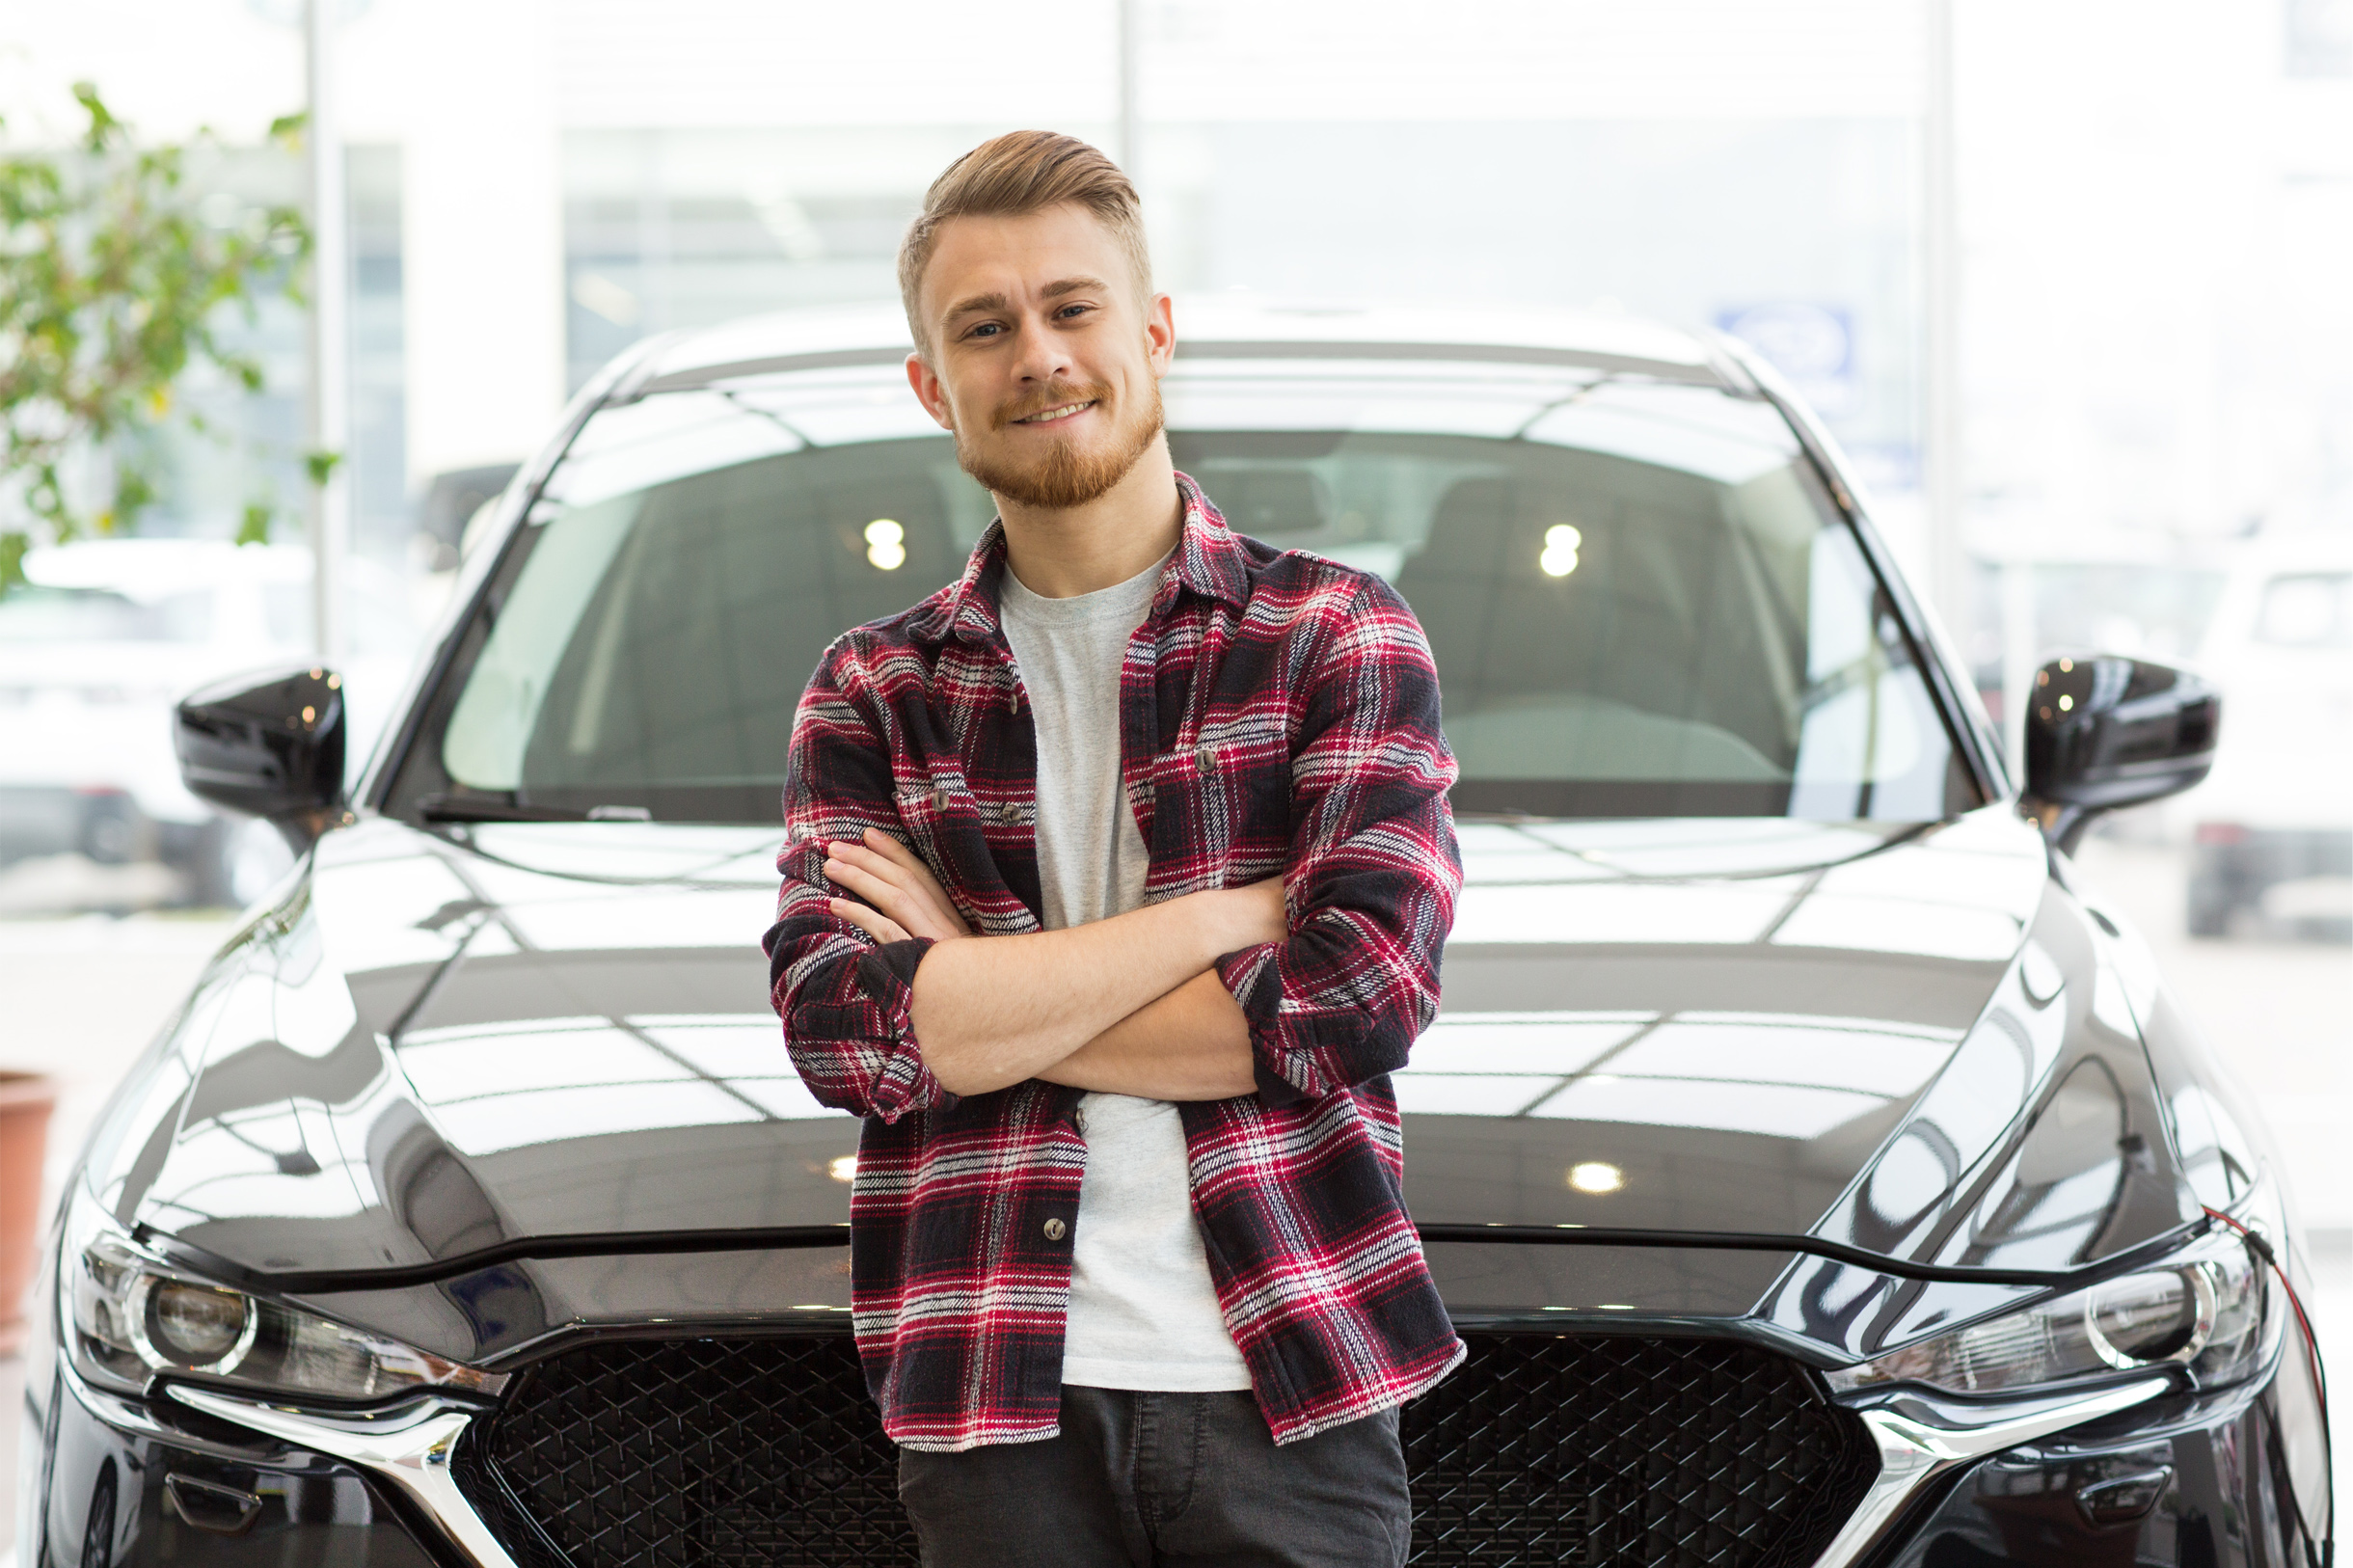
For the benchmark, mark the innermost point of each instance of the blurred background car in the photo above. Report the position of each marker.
(103, 636)
(2274, 831)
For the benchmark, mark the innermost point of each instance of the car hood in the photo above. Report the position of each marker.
(437, 1048)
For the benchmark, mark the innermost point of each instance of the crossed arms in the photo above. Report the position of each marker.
(1131, 1005)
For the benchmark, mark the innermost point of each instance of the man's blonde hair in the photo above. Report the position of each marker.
(1008, 175)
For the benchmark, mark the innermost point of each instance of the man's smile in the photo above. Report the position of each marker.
(1061, 412)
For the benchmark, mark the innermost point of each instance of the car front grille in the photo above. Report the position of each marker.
(1633, 1451)
(1656, 1453)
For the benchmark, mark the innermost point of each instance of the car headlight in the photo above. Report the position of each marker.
(2205, 1309)
(129, 1315)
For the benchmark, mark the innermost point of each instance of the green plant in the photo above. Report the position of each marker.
(111, 288)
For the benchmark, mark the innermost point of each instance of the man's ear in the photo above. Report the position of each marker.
(930, 392)
(1160, 333)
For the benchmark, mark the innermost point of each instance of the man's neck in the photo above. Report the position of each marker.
(1060, 553)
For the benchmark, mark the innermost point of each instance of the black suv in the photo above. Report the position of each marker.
(1819, 1174)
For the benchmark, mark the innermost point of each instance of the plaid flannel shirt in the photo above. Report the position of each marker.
(1279, 714)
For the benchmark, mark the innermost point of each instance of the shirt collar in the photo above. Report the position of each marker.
(1208, 562)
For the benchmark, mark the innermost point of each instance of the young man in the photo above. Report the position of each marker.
(1117, 875)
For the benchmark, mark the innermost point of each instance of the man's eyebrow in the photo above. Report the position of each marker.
(979, 304)
(976, 303)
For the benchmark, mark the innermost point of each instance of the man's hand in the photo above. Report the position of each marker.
(906, 900)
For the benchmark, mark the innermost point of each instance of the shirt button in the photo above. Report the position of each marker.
(1204, 757)
(1055, 1230)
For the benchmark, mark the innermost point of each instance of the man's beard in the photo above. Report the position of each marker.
(1067, 473)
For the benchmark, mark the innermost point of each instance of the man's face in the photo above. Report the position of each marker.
(1044, 363)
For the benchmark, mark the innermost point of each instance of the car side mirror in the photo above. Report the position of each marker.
(2104, 731)
(269, 745)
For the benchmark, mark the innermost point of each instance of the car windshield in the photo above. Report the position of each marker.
(1640, 601)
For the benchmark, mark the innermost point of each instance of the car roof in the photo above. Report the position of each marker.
(1224, 326)
(152, 569)
(2304, 550)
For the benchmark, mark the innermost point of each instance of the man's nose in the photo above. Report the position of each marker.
(1042, 355)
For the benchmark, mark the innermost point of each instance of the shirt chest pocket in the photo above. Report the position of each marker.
(953, 829)
(1222, 801)
(936, 814)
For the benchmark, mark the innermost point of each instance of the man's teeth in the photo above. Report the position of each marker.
(1053, 414)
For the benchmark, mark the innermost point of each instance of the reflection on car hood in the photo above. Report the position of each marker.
(441, 1044)
(1700, 1025)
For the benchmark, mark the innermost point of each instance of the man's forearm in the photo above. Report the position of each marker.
(993, 1011)
(1192, 1043)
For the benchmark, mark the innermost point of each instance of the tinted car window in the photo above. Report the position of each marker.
(1639, 599)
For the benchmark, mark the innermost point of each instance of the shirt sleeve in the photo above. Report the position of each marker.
(1374, 870)
(843, 998)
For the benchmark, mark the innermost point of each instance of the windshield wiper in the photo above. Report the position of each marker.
(491, 808)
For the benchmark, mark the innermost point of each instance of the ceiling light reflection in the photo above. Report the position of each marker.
(1596, 1176)
(1560, 556)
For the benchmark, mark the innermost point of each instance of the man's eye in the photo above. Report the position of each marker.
(986, 328)
(1070, 310)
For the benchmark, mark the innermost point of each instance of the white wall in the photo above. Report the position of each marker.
(2154, 234)
(469, 91)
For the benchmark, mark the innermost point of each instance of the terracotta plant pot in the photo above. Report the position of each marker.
(26, 1099)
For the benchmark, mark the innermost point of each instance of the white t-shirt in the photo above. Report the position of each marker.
(1143, 1312)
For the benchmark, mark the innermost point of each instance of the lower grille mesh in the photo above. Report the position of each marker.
(644, 1453)
(709, 1453)
(1630, 1451)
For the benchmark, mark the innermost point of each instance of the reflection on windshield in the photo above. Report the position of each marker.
(1781, 1075)
(1639, 599)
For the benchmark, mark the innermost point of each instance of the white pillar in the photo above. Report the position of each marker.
(1941, 454)
(1131, 146)
(328, 425)
(482, 259)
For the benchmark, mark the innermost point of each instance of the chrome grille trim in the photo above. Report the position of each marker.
(1919, 1442)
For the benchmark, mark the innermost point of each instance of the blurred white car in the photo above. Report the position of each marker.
(100, 642)
(2273, 835)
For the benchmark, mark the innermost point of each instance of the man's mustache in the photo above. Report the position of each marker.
(1054, 394)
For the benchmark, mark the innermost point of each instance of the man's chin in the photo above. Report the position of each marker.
(1046, 489)
(1066, 475)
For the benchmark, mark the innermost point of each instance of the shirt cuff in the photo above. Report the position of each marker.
(885, 979)
(1254, 978)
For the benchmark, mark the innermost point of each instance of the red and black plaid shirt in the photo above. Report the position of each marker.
(1278, 714)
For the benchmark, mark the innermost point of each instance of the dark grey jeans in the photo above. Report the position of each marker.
(1158, 1480)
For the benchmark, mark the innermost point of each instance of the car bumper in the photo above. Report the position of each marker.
(2182, 1479)
(131, 1482)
